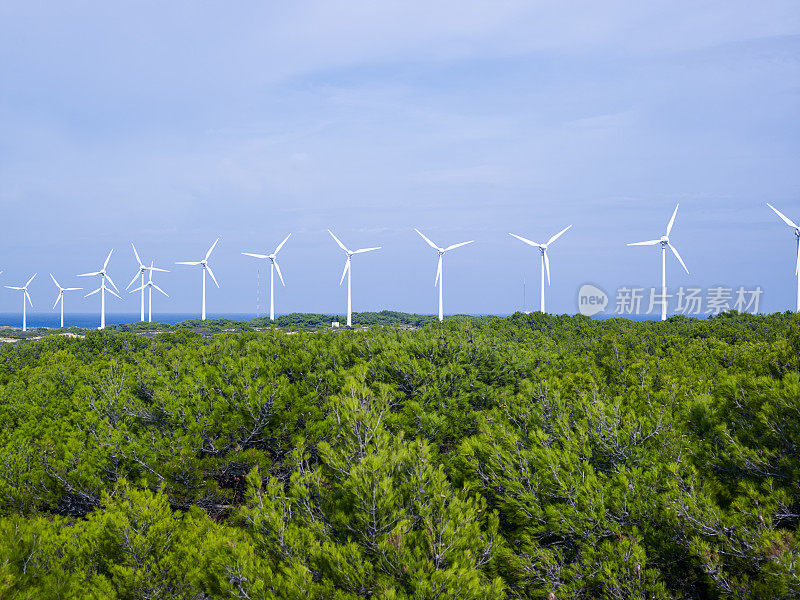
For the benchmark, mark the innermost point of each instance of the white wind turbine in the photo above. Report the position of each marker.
(543, 251)
(439, 273)
(25, 296)
(60, 297)
(347, 271)
(103, 288)
(140, 273)
(273, 266)
(664, 241)
(206, 267)
(150, 285)
(796, 228)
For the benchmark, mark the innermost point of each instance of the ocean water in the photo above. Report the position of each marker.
(89, 320)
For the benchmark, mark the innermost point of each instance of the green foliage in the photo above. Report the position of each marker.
(535, 456)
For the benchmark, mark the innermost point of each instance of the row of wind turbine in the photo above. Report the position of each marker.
(148, 285)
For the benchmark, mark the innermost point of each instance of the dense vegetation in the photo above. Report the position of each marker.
(528, 457)
(296, 321)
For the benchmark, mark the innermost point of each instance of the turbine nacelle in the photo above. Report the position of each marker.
(273, 261)
(796, 228)
(203, 262)
(543, 251)
(664, 242)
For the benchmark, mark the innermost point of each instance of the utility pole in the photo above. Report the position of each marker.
(258, 292)
(523, 295)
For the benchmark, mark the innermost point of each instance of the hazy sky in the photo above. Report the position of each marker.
(171, 123)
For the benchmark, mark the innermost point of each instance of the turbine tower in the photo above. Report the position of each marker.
(796, 228)
(150, 285)
(103, 288)
(206, 267)
(665, 243)
(439, 273)
(140, 273)
(543, 251)
(60, 297)
(25, 296)
(273, 266)
(347, 271)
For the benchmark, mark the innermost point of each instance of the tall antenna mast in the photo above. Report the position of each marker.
(258, 292)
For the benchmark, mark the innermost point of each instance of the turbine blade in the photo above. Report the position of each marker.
(346, 267)
(135, 277)
(134, 290)
(111, 281)
(70, 289)
(59, 297)
(341, 245)
(54, 281)
(210, 250)
(526, 240)
(278, 249)
(558, 235)
(113, 293)
(255, 255)
(278, 269)
(785, 219)
(136, 254)
(14, 287)
(438, 272)
(430, 243)
(151, 269)
(28, 296)
(192, 263)
(92, 293)
(31, 279)
(547, 266)
(454, 246)
(647, 243)
(89, 274)
(210, 272)
(362, 250)
(678, 256)
(672, 220)
(105, 264)
(160, 290)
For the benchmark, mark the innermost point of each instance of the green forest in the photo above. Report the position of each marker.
(533, 456)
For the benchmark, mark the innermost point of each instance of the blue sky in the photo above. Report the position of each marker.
(169, 124)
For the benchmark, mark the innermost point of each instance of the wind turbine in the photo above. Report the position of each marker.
(347, 271)
(103, 288)
(439, 273)
(543, 251)
(140, 273)
(206, 267)
(25, 296)
(273, 266)
(150, 285)
(664, 241)
(796, 228)
(60, 297)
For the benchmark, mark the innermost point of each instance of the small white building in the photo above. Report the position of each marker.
(335, 324)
